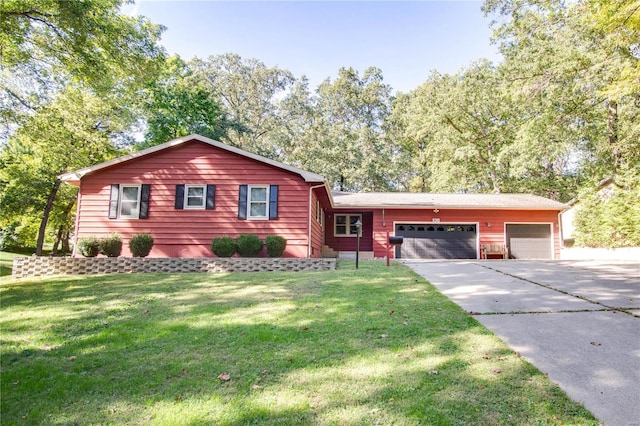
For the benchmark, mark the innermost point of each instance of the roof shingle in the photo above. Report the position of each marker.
(444, 201)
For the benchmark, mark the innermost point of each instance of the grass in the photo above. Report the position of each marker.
(6, 262)
(374, 346)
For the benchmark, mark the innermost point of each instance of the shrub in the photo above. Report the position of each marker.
(249, 245)
(9, 237)
(140, 245)
(89, 246)
(223, 246)
(275, 245)
(111, 246)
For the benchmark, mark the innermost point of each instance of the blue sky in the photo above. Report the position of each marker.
(315, 38)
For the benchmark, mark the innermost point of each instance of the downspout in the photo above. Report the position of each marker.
(311, 188)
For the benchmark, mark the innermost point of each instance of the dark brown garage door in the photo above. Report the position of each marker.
(436, 241)
(529, 241)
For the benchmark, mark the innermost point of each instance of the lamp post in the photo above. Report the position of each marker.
(358, 228)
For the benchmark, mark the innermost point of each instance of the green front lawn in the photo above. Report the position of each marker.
(374, 346)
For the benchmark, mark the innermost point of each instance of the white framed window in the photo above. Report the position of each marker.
(319, 212)
(129, 207)
(258, 202)
(345, 225)
(195, 196)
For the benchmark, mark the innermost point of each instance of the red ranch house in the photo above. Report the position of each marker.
(189, 190)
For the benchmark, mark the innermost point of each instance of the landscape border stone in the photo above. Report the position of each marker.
(36, 266)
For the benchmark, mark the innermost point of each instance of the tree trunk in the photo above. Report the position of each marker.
(45, 216)
(58, 239)
(65, 242)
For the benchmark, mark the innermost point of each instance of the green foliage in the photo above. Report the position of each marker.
(275, 245)
(9, 237)
(89, 246)
(176, 106)
(344, 138)
(247, 92)
(140, 245)
(111, 246)
(249, 245)
(223, 246)
(46, 44)
(610, 216)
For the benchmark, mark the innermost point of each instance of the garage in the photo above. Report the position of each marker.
(529, 241)
(437, 241)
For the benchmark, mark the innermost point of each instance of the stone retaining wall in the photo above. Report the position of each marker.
(35, 266)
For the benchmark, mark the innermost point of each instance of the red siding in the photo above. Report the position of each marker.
(188, 233)
(491, 225)
(317, 230)
(342, 243)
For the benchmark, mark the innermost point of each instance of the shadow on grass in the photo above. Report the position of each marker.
(339, 347)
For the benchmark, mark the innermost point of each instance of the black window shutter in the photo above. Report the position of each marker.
(273, 202)
(145, 191)
(113, 201)
(242, 202)
(211, 197)
(180, 196)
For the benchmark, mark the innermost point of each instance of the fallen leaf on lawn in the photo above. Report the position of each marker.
(405, 323)
(502, 358)
(433, 372)
(596, 343)
(265, 372)
(392, 312)
(486, 356)
(257, 387)
(72, 358)
(224, 377)
(305, 328)
(384, 336)
(496, 370)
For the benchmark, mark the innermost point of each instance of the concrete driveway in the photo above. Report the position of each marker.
(577, 321)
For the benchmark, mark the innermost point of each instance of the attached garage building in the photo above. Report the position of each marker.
(445, 226)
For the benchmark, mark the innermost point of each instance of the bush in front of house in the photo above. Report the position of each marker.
(140, 245)
(275, 245)
(111, 246)
(89, 246)
(223, 246)
(248, 245)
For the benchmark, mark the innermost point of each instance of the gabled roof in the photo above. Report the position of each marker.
(75, 176)
(408, 200)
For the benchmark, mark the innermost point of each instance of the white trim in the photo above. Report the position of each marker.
(404, 222)
(186, 205)
(266, 202)
(553, 237)
(121, 199)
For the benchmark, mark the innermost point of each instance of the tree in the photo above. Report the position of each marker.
(174, 106)
(83, 127)
(345, 138)
(248, 93)
(44, 43)
(577, 61)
